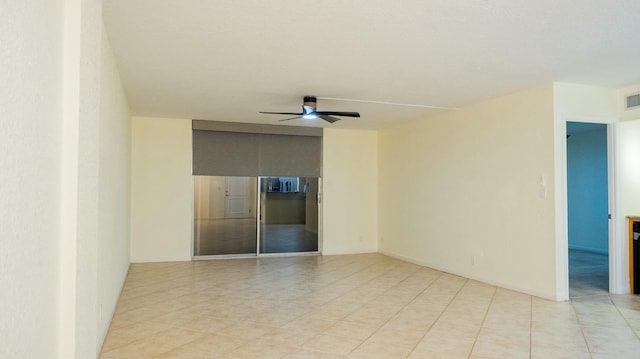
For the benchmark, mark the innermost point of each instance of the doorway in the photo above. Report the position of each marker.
(588, 208)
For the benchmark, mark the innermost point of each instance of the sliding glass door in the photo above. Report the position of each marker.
(225, 215)
(271, 204)
(289, 214)
(255, 215)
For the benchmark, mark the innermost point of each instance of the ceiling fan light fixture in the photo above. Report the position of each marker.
(309, 112)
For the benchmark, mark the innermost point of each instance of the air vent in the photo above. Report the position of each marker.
(633, 101)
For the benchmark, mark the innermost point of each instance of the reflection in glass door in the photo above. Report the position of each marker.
(225, 215)
(288, 214)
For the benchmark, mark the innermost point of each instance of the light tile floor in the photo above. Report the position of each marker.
(354, 306)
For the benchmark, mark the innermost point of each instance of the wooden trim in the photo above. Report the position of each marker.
(631, 221)
(631, 289)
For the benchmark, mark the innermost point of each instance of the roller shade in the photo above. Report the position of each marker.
(223, 153)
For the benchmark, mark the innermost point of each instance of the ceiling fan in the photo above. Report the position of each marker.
(309, 112)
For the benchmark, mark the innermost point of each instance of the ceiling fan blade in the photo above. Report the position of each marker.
(328, 118)
(289, 119)
(338, 113)
(283, 113)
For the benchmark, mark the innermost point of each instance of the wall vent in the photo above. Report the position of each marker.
(633, 101)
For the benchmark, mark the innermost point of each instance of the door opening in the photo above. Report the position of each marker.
(588, 211)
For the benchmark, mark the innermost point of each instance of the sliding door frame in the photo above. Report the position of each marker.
(258, 253)
(289, 254)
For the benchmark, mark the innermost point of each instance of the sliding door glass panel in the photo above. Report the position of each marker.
(289, 214)
(224, 215)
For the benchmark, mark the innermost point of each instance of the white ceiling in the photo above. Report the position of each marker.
(226, 60)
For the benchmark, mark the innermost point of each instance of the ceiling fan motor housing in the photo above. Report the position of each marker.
(309, 107)
(310, 101)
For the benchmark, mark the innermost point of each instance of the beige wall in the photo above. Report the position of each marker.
(350, 191)
(161, 190)
(471, 191)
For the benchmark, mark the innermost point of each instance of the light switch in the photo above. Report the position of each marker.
(542, 187)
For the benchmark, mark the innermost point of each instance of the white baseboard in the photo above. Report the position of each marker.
(159, 260)
(111, 312)
(341, 253)
(589, 249)
(473, 276)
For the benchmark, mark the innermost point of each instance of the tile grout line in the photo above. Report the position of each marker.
(493, 296)
(584, 337)
(440, 315)
(624, 318)
(530, 326)
(390, 290)
(364, 340)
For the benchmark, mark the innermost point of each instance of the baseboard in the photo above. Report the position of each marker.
(472, 276)
(589, 249)
(342, 253)
(159, 260)
(103, 336)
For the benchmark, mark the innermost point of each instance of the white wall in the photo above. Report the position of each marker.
(51, 107)
(630, 167)
(350, 191)
(581, 103)
(628, 115)
(30, 139)
(81, 91)
(161, 190)
(113, 190)
(629, 156)
(471, 191)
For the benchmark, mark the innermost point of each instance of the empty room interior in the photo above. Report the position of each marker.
(285, 179)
